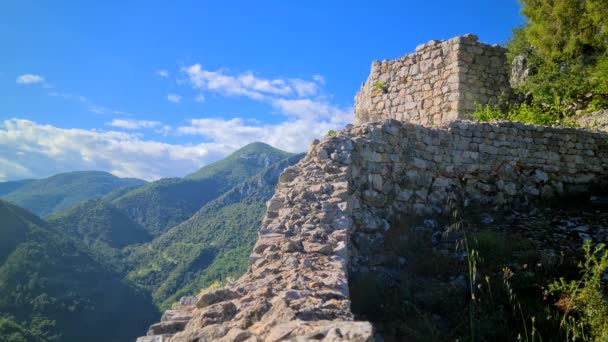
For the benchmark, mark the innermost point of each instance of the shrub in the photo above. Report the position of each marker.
(584, 307)
(525, 113)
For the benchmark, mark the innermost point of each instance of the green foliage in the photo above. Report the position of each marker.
(11, 331)
(525, 113)
(584, 306)
(565, 42)
(54, 291)
(599, 81)
(564, 30)
(103, 228)
(381, 86)
(10, 186)
(50, 195)
(331, 132)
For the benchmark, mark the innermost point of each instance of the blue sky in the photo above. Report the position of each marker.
(153, 89)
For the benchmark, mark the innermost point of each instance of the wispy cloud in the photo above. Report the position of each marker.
(163, 73)
(291, 135)
(174, 98)
(133, 124)
(90, 105)
(308, 115)
(30, 149)
(247, 84)
(29, 79)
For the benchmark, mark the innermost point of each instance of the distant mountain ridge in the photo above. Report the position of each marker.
(212, 245)
(160, 205)
(51, 290)
(166, 238)
(59, 192)
(10, 186)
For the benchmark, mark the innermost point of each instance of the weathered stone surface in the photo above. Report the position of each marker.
(217, 296)
(441, 81)
(520, 70)
(155, 338)
(168, 327)
(176, 315)
(596, 120)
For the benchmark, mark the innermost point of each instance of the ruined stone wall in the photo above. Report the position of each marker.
(331, 213)
(440, 82)
(406, 169)
(296, 284)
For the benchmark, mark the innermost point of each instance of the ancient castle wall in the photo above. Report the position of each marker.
(440, 82)
(406, 169)
(297, 281)
(332, 211)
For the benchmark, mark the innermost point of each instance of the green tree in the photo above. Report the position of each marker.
(565, 30)
(566, 42)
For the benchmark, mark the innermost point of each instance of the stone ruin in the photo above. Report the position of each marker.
(442, 81)
(331, 212)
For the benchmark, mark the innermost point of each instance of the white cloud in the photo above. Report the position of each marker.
(304, 88)
(133, 124)
(247, 84)
(29, 149)
(307, 114)
(29, 79)
(306, 108)
(174, 98)
(291, 135)
(163, 73)
(91, 107)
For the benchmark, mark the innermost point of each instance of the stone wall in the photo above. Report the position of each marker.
(296, 284)
(440, 82)
(331, 213)
(405, 169)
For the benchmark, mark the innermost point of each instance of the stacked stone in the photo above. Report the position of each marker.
(172, 321)
(405, 169)
(483, 75)
(441, 81)
(296, 285)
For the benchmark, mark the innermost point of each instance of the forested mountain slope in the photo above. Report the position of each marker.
(53, 194)
(52, 290)
(163, 204)
(211, 245)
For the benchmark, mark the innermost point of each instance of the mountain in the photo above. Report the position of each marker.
(10, 186)
(160, 205)
(102, 227)
(212, 245)
(52, 290)
(242, 164)
(53, 194)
